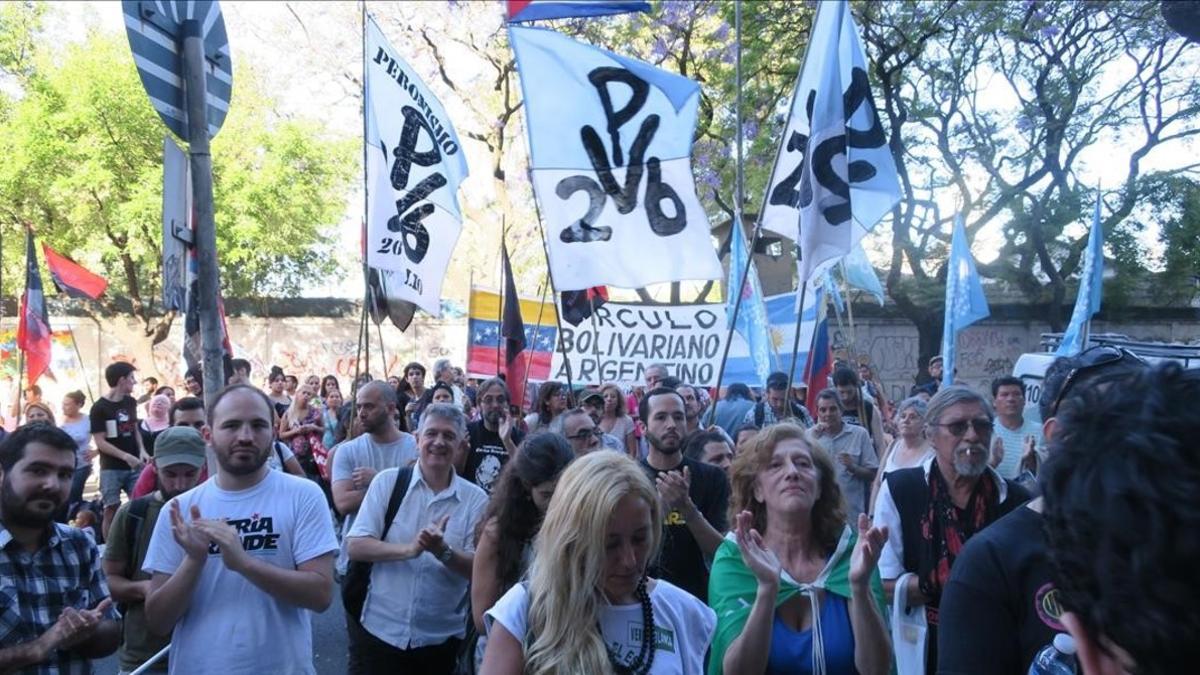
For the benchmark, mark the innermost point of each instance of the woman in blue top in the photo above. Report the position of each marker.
(795, 589)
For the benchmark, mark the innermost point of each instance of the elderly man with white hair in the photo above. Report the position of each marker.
(931, 510)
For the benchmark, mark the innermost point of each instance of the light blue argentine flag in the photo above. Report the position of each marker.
(1091, 283)
(752, 323)
(965, 302)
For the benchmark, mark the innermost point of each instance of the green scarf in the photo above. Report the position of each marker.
(732, 587)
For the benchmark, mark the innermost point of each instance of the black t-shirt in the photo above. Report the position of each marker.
(486, 455)
(123, 415)
(681, 562)
(850, 416)
(999, 607)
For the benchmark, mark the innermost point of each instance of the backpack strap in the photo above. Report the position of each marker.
(135, 518)
(759, 414)
(403, 478)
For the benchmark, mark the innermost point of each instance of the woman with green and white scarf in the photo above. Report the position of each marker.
(794, 588)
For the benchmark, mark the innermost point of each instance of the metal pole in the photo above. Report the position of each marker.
(364, 335)
(796, 337)
(71, 330)
(500, 293)
(554, 293)
(382, 354)
(208, 276)
(538, 325)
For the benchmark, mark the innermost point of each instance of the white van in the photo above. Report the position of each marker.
(1031, 368)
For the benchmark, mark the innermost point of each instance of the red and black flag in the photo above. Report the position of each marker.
(33, 330)
(577, 306)
(512, 328)
(71, 278)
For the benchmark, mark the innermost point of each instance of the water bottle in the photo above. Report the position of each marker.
(1056, 658)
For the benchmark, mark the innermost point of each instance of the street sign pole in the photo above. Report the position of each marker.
(196, 97)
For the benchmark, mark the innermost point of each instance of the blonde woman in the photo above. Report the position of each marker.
(39, 412)
(588, 604)
(302, 428)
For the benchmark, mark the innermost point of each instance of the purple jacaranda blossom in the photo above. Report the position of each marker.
(1050, 32)
(749, 130)
(721, 33)
(659, 50)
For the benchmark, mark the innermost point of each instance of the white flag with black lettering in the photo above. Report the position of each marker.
(610, 142)
(834, 177)
(414, 167)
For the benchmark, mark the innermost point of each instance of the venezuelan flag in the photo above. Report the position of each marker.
(485, 343)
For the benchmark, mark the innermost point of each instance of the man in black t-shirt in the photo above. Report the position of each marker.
(114, 427)
(695, 496)
(491, 440)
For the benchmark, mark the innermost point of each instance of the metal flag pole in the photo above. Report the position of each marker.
(757, 232)
(382, 353)
(553, 293)
(537, 326)
(86, 382)
(362, 6)
(500, 290)
(595, 342)
(796, 337)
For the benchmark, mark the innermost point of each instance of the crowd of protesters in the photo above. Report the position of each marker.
(656, 529)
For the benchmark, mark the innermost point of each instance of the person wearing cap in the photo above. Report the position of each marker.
(178, 456)
(593, 404)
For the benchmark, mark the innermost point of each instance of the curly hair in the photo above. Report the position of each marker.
(1121, 515)
(542, 458)
(828, 513)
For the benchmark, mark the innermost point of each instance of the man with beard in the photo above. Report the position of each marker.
(695, 496)
(381, 446)
(691, 408)
(1001, 605)
(57, 614)
(178, 456)
(930, 511)
(415, 612)
(492, 440)
(239, 562)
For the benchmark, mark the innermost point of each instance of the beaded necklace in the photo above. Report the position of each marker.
(645, 658)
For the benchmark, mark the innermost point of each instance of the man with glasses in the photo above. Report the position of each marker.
(932, 510)
(1000, 606)
(578, 427)
(492, 439)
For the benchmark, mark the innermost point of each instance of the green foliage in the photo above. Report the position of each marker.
(83, 168)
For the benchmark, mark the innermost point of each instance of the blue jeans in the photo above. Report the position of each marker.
(81, 475)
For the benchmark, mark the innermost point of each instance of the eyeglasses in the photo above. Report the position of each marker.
(1095, 357)
(982, 427)
(587, 434)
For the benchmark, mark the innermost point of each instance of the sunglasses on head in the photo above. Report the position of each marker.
(1090, 359)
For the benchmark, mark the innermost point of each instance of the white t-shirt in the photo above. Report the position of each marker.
(232, 626)
(1014, 445)
(684, 626)
(364, 451)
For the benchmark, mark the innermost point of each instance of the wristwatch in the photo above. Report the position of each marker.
(446, 555)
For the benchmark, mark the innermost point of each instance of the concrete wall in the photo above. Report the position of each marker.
(304, 346)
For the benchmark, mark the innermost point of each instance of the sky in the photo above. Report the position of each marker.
(301, 63)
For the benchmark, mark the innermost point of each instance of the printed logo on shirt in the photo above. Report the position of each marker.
(675, 517)
(1049, 609)
(257, 533)
(490, 465)
(664, 638)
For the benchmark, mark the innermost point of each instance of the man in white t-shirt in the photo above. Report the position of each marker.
(239, 562)
(415, 613)
(1015, 438)
(357, 461)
